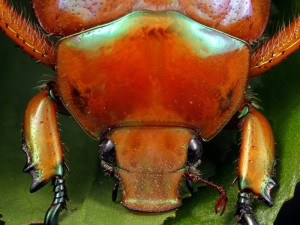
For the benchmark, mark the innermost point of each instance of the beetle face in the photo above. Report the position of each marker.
(150, 162)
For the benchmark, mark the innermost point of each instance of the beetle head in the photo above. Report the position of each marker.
(150, 163)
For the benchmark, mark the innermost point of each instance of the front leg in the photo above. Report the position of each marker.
(25, 35)
(276, 49)
(256, 163)
(41, 143)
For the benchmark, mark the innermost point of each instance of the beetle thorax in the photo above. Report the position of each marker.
(152, 68)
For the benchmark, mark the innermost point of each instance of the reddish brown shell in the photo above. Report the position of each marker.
(245, 19)
(152, 68)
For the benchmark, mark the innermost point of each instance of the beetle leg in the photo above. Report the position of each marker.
(41, 143)
(59, 201)
(28, 37)
(256, 162)
(244, 209)
(276, 49)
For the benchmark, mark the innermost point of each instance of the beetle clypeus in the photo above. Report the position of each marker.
(151, 81)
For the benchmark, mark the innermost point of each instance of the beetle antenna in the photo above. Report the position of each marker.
(222, 200)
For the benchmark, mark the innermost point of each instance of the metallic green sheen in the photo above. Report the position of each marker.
(244, 112)
(152, 202)
(209, 41)
(244, 183)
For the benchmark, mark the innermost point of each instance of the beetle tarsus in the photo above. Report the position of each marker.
(52, 214)
(58, 203)
(249, 219)
(244, 210)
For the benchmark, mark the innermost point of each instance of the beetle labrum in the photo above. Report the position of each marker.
(150, 80)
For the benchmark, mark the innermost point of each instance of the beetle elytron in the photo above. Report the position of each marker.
(150, 80)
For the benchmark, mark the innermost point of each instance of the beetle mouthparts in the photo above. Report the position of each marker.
(151, 192)
(150, 163)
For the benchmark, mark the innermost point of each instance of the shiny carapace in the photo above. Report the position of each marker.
(150, 81)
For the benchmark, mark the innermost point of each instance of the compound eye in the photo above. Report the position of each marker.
(194, 151)
(107, 152)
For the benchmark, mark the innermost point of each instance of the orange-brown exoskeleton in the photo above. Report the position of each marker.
(150, 80)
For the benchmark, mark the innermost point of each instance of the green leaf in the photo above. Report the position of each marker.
(90, 191)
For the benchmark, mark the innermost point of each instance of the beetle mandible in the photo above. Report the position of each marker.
(150, 80)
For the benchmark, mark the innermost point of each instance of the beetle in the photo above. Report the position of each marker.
(150, 120)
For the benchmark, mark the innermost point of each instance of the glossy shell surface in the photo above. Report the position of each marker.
(158, 69)
(245, 19)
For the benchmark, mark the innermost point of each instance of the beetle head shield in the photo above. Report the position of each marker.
(150, 163)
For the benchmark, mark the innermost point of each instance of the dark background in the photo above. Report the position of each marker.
(289, 212)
